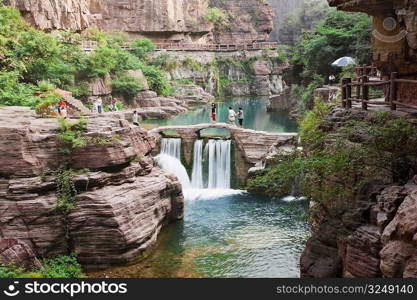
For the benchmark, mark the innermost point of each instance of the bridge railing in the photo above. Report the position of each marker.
(362, 87)
(91, 45)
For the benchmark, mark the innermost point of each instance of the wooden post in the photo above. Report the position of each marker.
(358, 88)
(344, 89)
(393, 90)
(365, 92)
(348, 93)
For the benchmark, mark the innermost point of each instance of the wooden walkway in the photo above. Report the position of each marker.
(359, 90)
(91, 45)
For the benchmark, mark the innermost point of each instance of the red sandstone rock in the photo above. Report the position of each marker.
(362, 253)
(17, 253)
(394, 257)
(124, 200)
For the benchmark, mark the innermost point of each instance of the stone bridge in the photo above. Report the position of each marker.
(251, 146)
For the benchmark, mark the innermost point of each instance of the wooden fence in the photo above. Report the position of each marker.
(91, 45)
(362, 86)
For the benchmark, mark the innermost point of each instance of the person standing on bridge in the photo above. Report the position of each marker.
(232, 116)
(213, 112)
(240, 116)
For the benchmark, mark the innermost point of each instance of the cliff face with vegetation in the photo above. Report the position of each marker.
(159, 20)
(394, 38)
(87, 188)
(246, 22)
(364, 212)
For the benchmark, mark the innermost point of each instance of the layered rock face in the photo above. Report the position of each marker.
(159, 20)
(250, 21)
(395, 38)
(53, 14)
(374, 236)
(123, 200)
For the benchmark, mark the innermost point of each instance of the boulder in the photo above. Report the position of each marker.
(17, 253)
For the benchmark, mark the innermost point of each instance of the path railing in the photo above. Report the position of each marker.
(91, 45)
(362, 86)
(216, 47)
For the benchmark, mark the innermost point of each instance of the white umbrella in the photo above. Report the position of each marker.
(344, 61)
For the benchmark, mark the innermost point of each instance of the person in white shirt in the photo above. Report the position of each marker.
(232, 116)
(99, 105)
(135, 118)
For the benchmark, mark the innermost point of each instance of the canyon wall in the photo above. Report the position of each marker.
(282, 8)
(234, 73)
(394, 39)
(122, 201)
(371, 234)
(250, 21)
(159, 20)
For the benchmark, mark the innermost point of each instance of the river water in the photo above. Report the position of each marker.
(225, 233)
(254, 108)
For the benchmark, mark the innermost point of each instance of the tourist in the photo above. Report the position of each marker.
(332, 78)
(64, 112)
(99, 105)
(240, 116)
(232, 116)
(62, 109)
(135, 118)
(114, 104)
(213, 112)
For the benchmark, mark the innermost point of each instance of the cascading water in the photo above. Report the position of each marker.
(197, 174)
(170, 160)
(219, 158)
(174, 166)
(171, 147)
(211, 174)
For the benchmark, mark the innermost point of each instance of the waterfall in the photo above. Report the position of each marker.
(219, 159)
(211, 174)
(174, 166)
(171, 147)
(197, 174)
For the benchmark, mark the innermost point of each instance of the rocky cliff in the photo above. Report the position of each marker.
(250, 21)
(122, 199)
(156, 19)
(159, 20)
(372, 234)
(395, 38)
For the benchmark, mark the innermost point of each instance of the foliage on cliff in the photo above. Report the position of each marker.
(337, 162)
(339, 34)
(29, 56)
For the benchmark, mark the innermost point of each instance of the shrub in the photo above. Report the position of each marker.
(217, 17)
(71, 135)
(126, 85)
(157, 81)
(14, 93)
(56, 267)
(62, 267)
(142, 48)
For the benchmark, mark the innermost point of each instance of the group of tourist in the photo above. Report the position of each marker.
(232, 115)
(98, 105)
